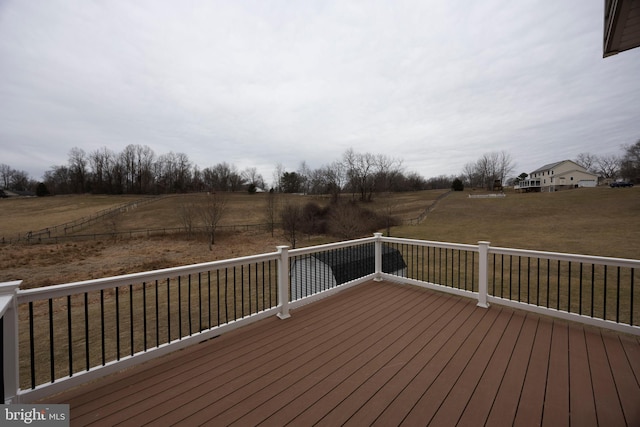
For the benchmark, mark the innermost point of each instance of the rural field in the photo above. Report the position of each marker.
(601, 221)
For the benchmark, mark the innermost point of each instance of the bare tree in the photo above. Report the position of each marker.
(367, 173)
(630, 164)
(505, 166)
(5, 175)
(387, 173)
(471, 174)
(174, 172)
(388, 207)
(222, 177)
(277, 177)
(166, 172)
(491, 167)
(130, 167)
(304, 173)
(291, 217)
(360, 173)
(103, 163)
(328, 180)
(211, 212)
(346, 220)
(57, 179)
(13, 179)
(271, 210)
(145, 158)
(588, 161)
(197, 182)
(187, 212)
(19, 180)
(252, 177)
(608, 166)
(183, 172)
(78, 169)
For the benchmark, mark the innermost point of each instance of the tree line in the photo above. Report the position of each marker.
(138, 170)
(612, 166)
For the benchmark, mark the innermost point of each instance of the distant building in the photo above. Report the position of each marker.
(558, 176)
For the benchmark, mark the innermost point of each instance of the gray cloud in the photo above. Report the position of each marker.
(256, 83)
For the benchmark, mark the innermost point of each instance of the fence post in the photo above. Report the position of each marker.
(10, 356)
(378, 258)
(283, 282)
(483, 274)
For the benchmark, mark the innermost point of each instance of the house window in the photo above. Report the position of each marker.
(571, 178)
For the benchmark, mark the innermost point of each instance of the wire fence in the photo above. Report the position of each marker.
(147, 232)
(68, 231)
(423, 215)
(62, 230)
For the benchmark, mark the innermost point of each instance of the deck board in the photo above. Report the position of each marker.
(624, 379)
(505, 404)
(582, 406)
(385, 354)
(461, 391)
(608, 407)
(484, 394)
(436, 393)
(530, 406)
(556, 396)
(357, 371)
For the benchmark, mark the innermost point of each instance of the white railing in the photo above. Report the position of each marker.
(59, 336)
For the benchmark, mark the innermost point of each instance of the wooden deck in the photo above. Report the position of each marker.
(381, 354)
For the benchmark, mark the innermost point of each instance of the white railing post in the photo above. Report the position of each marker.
(10, 356)
(483, 274)
(283, 282)
(378, 257)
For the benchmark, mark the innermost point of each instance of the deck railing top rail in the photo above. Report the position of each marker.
(55, 291)
(561, 256)
(330, 246)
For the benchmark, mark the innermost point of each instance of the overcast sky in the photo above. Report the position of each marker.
(256, 83)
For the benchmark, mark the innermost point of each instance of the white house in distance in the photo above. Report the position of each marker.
(558, 176)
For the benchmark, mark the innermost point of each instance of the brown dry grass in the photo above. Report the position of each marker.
(599, 221)
(23, 214)
(46, 264)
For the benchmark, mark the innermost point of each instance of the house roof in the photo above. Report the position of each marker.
(548, 166)
(621, 26)
(556, 164)
(353, 262)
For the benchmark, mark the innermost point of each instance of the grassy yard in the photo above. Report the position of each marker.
(598, 221)
(23, 214)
